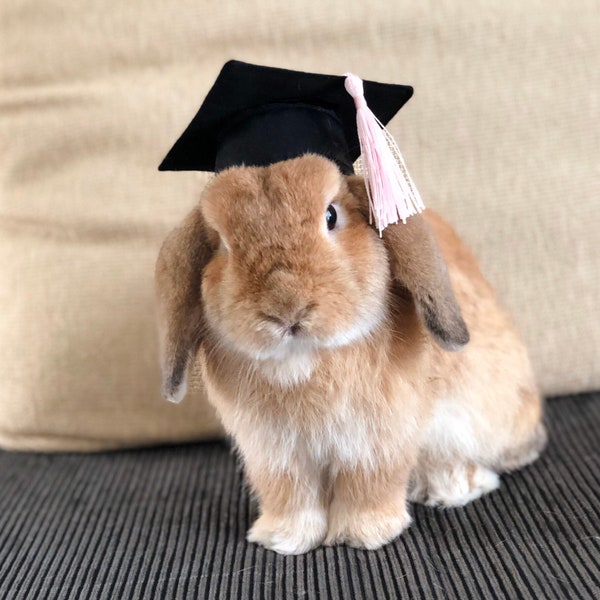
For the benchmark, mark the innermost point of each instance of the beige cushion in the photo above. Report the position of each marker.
(501, 136)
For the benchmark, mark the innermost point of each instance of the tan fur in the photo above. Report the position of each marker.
(317, 349)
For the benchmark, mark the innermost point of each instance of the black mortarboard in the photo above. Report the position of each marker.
(256, 116)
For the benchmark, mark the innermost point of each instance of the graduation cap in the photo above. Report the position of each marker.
(256, 116)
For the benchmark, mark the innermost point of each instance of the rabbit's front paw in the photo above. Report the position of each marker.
(294, 534)
(369, 529)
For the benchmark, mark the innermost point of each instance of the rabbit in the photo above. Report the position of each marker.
(355, 372)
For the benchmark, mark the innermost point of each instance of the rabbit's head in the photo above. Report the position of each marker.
(281, 262)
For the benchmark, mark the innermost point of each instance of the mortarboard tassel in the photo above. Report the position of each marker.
(392, 193)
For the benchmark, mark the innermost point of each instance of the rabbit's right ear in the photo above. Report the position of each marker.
(178, 279)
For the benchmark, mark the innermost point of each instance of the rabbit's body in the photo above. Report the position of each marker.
(318, 351)
(487, 413)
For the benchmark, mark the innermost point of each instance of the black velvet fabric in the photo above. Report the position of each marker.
(170, 523)
(241, 119)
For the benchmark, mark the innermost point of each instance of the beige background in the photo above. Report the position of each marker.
(501, 136)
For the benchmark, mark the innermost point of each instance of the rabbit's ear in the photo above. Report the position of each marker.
(178, 278)
(417, 264)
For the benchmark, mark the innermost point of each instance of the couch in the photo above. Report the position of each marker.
(107, 491)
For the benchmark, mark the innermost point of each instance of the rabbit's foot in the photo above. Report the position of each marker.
(368, 529)
(452, 485)
(295, 533)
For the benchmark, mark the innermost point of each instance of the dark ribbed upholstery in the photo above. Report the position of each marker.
(170, 523)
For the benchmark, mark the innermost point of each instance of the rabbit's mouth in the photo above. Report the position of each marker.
(285, 342)
(290, 357)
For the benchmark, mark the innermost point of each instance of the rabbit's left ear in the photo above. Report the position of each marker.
(416, 263)
(178, 280)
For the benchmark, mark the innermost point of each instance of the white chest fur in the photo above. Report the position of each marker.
(347, 435)
(281, 444)
(288, 373)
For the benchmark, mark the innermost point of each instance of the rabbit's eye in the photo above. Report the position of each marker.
(331, 217)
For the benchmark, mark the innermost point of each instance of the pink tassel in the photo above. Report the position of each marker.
(392, 193)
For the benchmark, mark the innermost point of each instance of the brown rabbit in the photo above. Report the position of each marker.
(339, 361)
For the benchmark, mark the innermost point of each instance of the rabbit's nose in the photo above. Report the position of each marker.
(293, 322)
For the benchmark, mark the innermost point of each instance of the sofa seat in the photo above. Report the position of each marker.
(170, 522)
